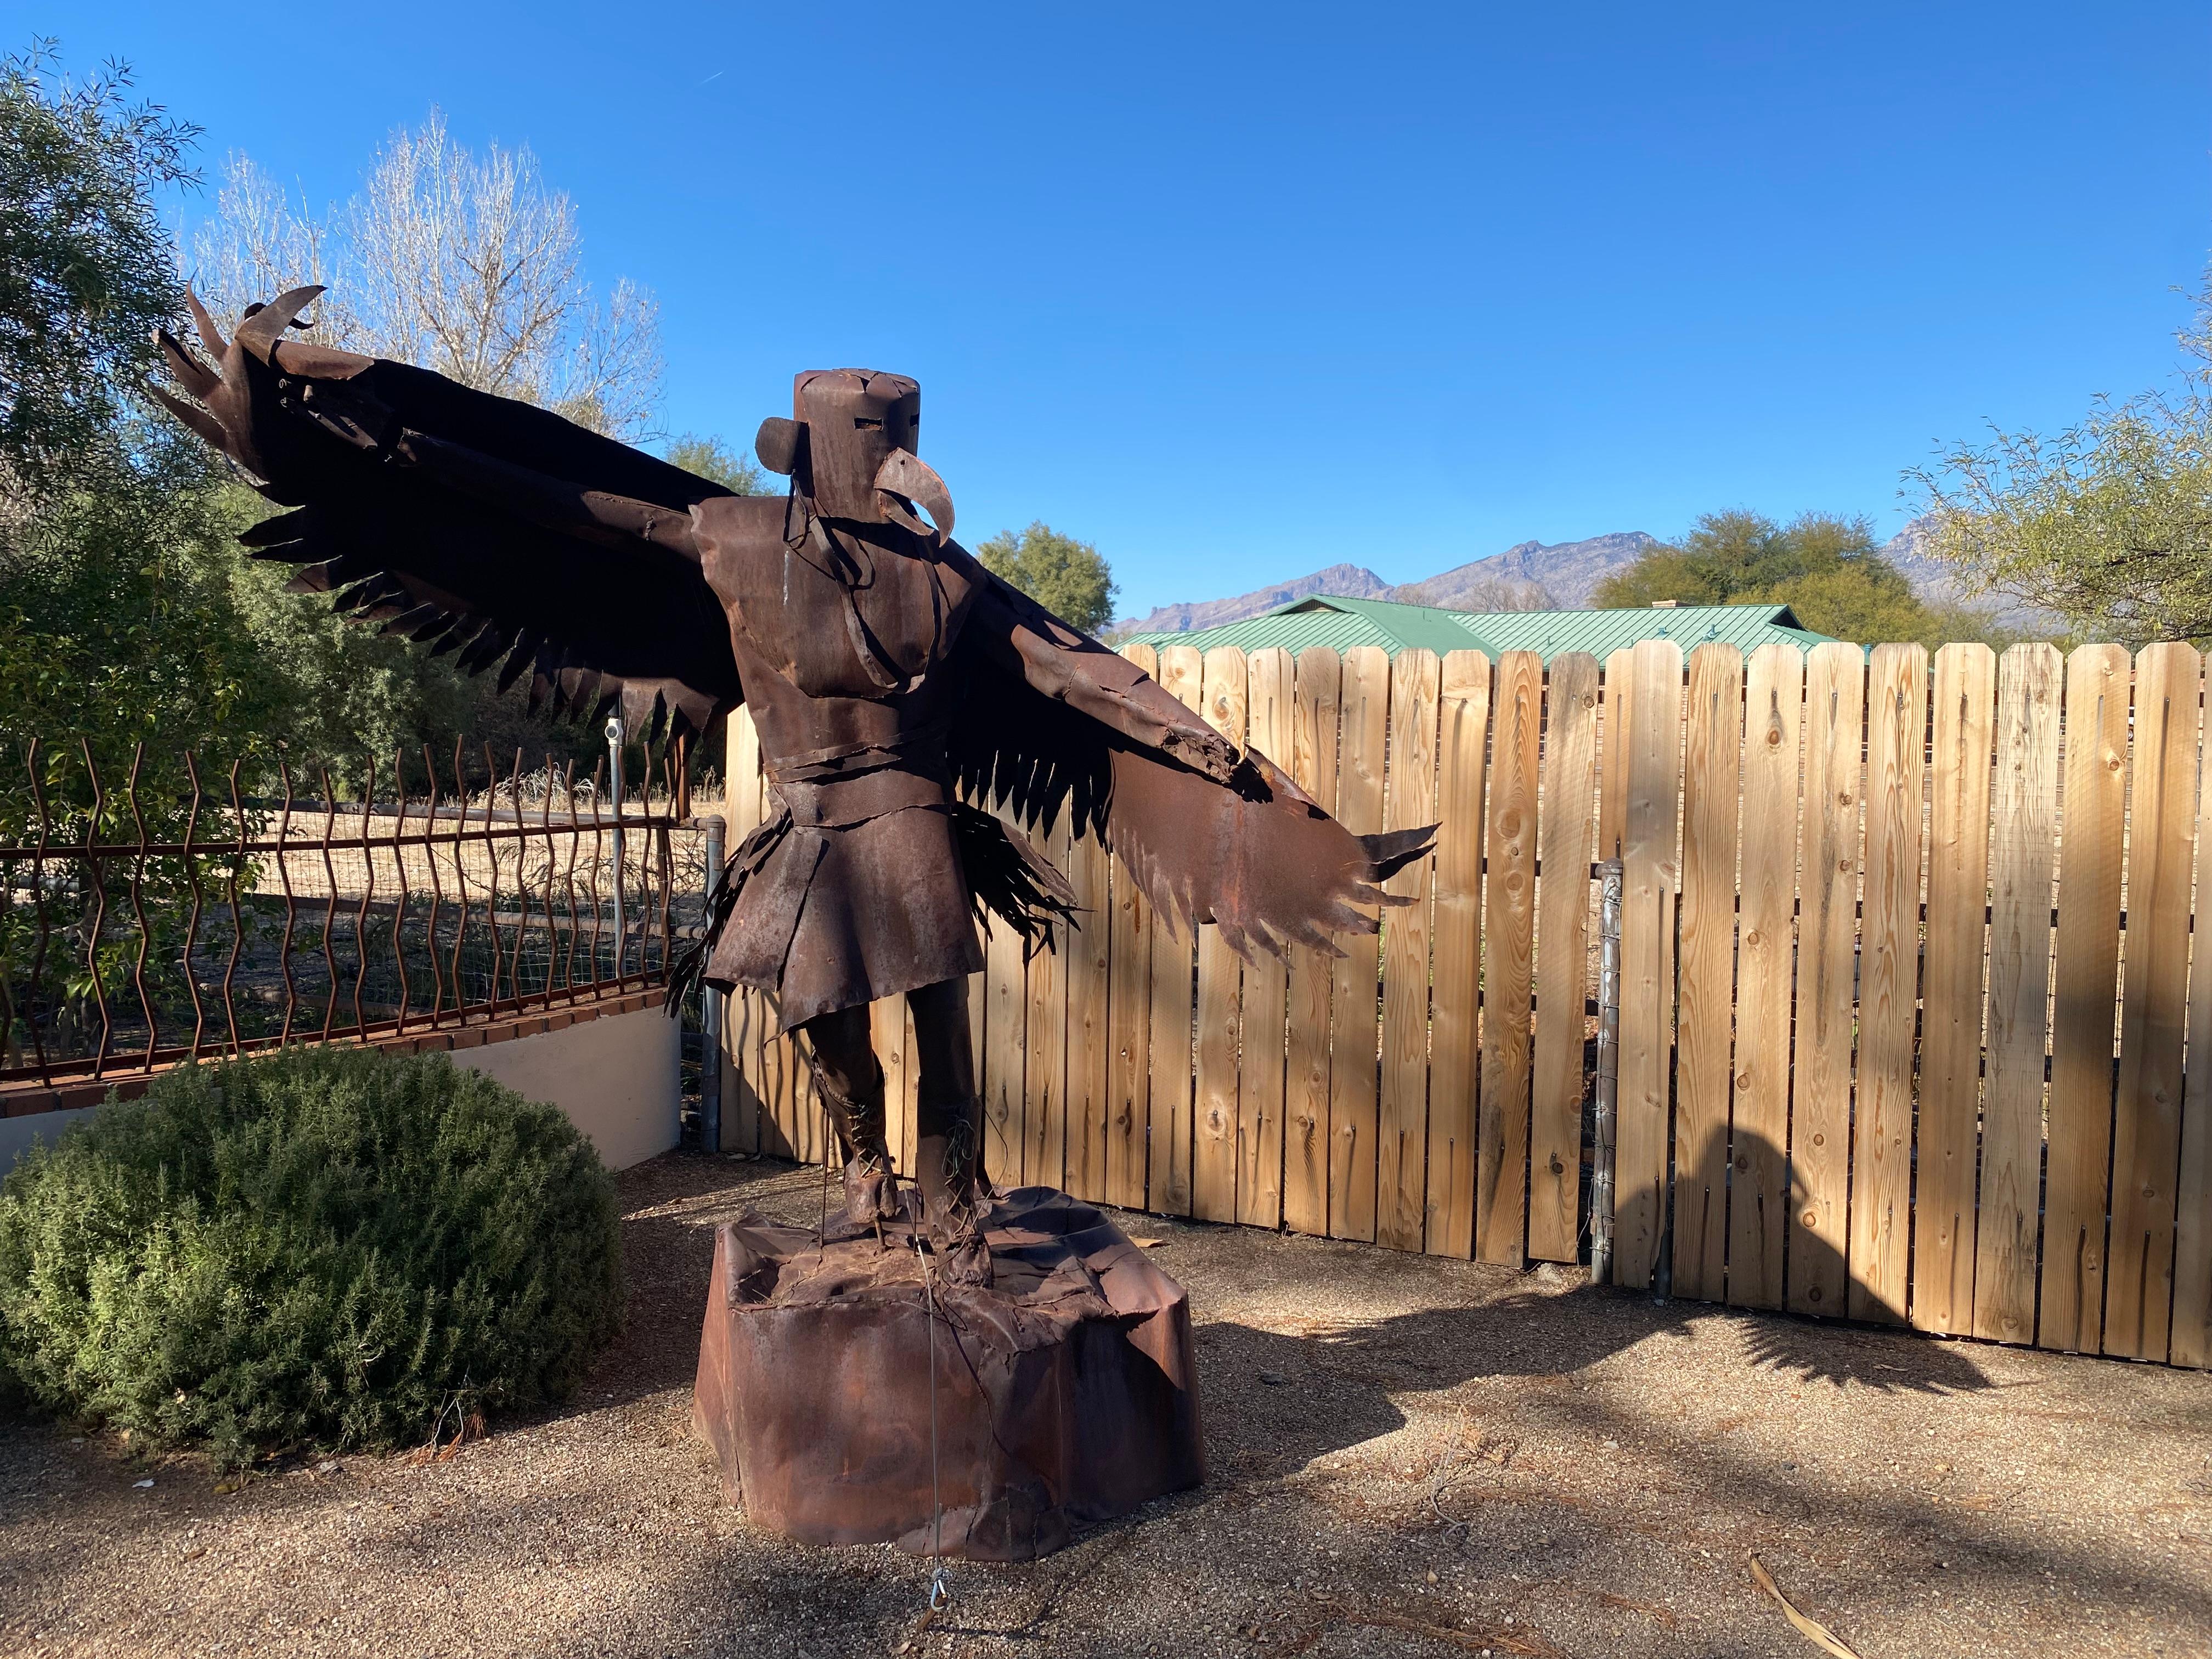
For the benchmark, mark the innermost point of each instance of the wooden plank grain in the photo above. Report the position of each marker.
(1005, 1036)
(1951, 1020)
(1713, 765)
(2024, 817)
(1306, 1082)
(1508, 944)
(1759, 1180)
(1402, 1109)
(1889, 983)
(2192, 1334)
(1174, 1067)
(1463, 705)
(1355, 995)
(2093, 805)
(1270, 722)
(1129, 1071)
(1225, 690)
(743, 1012)
(1088, 949)
(1044, 1079)
(2154, 1002)
(1566, 831)
(1827, 903)
(1649, 854)
(890, 1030)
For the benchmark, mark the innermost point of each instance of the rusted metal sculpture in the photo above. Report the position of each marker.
(894, 682)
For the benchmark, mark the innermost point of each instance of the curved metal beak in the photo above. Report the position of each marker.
(904, 481)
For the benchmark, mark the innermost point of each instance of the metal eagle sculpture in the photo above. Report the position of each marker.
(896, 684)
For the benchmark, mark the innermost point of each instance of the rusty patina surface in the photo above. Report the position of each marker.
(1063, 1394)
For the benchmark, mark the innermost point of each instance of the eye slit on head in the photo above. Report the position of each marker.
(864, 420)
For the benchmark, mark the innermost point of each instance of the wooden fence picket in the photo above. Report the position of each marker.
(1356, 995)
(2093, 805)
(2191, 1337)
(1758, 1189)
(1129, 1066)
(2025, 816)
(1712, 787)
(1270, 725)
(1463, 705)
(1402, 1106)
(1220, 988)
(1306, 1139)
(2155, 1005)
(1889, 983)
(1951, 989)
(1508, 944)
(1566, 823)
(1088, 949)
(1828, 902)
(1650, 819)
(1174, 1069)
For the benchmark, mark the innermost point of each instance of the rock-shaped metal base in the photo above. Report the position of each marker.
(1065, 1393)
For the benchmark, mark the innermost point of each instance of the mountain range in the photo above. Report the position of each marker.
(1530, 576)
(1527, 577)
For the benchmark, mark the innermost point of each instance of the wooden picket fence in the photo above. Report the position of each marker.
(1905, 990)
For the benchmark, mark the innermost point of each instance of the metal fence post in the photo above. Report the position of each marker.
(710, 1010)
(1608, 1070)
(614, 788)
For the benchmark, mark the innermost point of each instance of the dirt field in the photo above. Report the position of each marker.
(1408, 1456)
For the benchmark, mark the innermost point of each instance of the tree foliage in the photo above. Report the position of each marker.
(1067, 577)
(128, 613)
(2108, 523)
(325, 1247)
(84, 268)
(712, 458)
(1828, 569)
(468, 264)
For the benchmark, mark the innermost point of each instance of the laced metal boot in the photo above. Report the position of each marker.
(947, 1172)
(871, 1188)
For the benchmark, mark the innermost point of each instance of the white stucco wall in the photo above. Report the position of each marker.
(616, 1077)
(17, 1132)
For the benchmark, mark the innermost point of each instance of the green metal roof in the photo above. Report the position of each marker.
(1341, 623)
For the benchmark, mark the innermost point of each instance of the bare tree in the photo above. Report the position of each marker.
(467, 264)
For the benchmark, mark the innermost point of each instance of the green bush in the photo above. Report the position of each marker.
(321, 1248)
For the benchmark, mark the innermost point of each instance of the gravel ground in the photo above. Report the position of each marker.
(1408, 1457)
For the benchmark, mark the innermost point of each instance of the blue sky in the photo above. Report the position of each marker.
(1237, 292)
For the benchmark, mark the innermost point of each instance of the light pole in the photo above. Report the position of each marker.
(615, 784)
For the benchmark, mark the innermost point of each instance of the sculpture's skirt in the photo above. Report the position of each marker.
(836, 917)
(1062, 1395)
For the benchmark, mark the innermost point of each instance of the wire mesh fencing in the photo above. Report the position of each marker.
(164, 913)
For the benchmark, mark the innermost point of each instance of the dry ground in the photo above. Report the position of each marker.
(1409, 1456)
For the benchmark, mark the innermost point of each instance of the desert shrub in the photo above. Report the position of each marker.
(322, 1248)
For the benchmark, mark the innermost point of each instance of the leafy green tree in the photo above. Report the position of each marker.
(86, 270)
(2108, 523)
(1067, 577)
(1830, 570)
(712, 458)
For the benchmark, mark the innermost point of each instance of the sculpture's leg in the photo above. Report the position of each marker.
(843, 1061)
(949, 1132)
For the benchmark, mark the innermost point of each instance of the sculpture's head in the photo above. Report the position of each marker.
(850, 448)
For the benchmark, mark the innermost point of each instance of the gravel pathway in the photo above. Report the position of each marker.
(1409, 1456)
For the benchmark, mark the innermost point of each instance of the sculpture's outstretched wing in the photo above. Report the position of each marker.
(469, 522)
(1052, 719)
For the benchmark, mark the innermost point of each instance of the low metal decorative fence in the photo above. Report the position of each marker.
(143, 924)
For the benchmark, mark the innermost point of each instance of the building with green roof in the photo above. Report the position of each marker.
(1342, 623)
